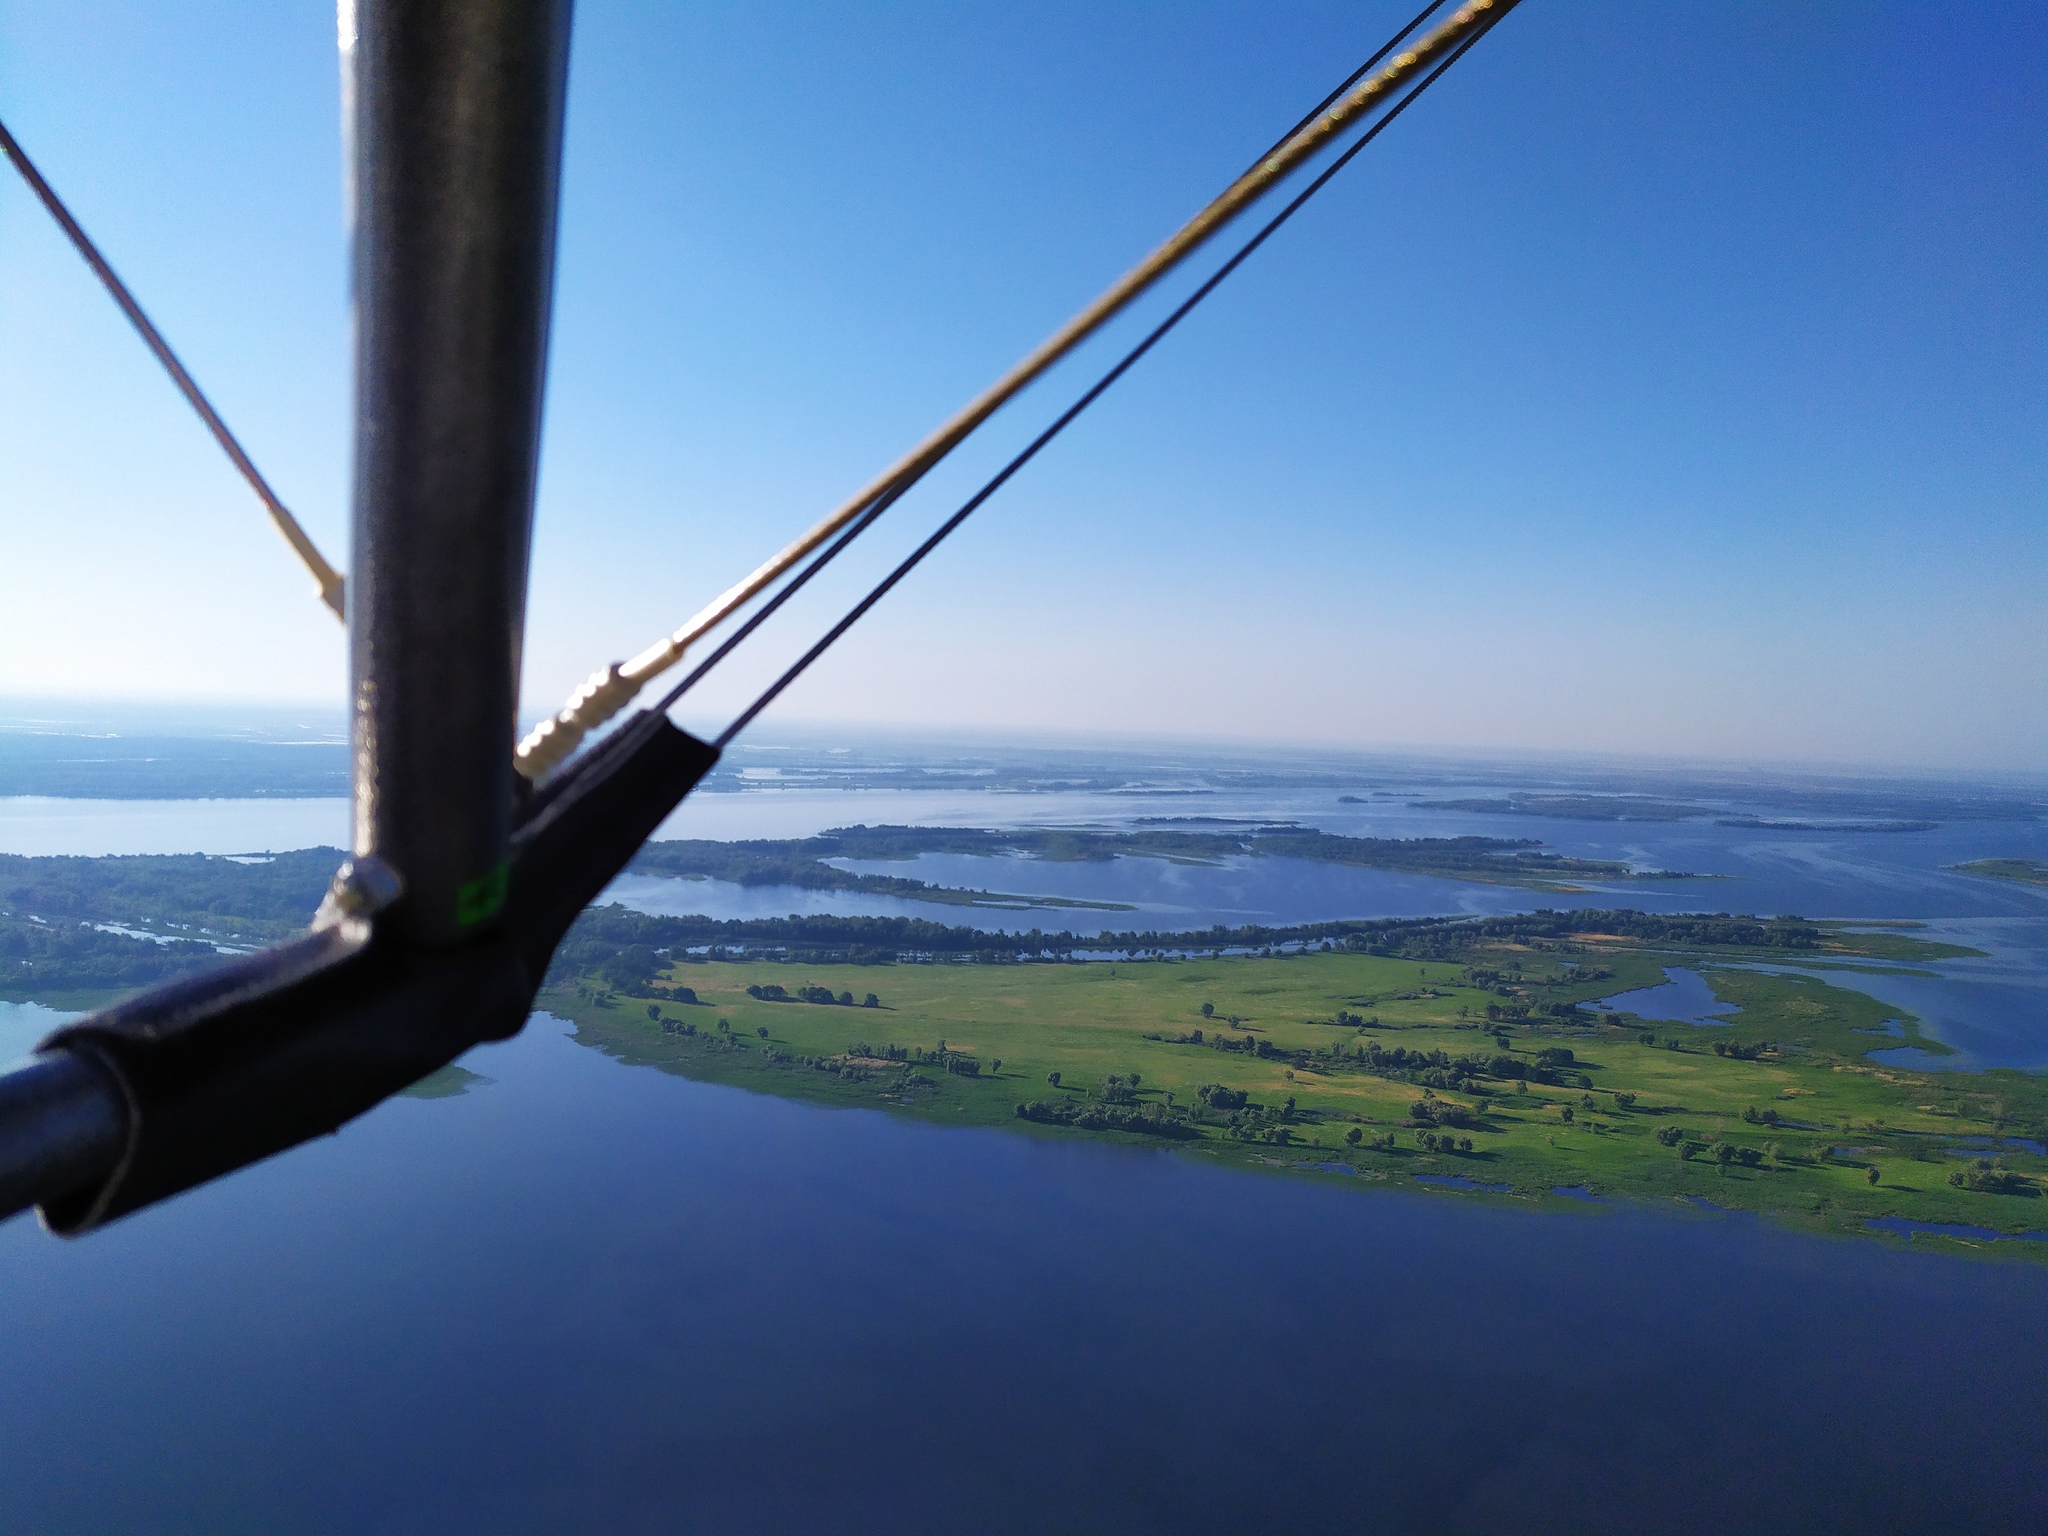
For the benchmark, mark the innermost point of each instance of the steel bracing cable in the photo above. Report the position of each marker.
(609, 691)
(329, 579)
(867, 519)
(882, 588)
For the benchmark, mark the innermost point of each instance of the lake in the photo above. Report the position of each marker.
(586, 1296)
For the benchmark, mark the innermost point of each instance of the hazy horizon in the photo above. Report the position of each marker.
(199, 717)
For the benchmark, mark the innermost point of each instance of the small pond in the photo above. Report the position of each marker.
(1685, 998)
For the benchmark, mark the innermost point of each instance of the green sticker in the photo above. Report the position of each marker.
(482, 897)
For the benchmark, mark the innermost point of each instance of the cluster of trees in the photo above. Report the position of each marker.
(1435, 1069)
(189, 891)
(1727, 1153)
(944, 1057)
(1568, 1013)
(1448, 938)
(1095, 1115)
(39, 959)
(772, 992)
(1432, 1141)
(1432, 1111)
(1232, 1110)
(887, 1052)
(1751, 1052)
(1992, 1178)
(722, 1038)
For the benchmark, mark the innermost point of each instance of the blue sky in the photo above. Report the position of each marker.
(1669, 381)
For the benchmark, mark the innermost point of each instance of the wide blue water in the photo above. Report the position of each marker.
(584, 1296)
(591, 1297)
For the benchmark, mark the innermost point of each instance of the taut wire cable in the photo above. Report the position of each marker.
(866, 520)
(329, 579)
(609, 691)
(882, 588)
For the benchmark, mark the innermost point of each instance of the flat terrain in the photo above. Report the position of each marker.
(1388, 1069)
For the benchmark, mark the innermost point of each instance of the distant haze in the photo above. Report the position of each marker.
(1668, 382)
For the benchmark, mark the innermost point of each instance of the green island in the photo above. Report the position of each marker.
(2027, 871)
(1459, 1055)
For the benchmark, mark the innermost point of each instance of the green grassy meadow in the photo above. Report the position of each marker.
(1595, 1123)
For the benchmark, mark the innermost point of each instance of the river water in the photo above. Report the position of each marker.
(585, 1296)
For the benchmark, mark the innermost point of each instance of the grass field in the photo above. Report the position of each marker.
(932, 1049)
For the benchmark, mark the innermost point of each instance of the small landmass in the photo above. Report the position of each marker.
(808, 862)
(1462, 1056)
(1573, 807)
(2026, 871)
(1769, 824)
(449, 1082)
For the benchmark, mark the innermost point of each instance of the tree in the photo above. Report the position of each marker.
(1208, 1010)
(1647, 1039)
(1624, 1101)
(846, 999)
(1724, 1154)
(725, 1026)
(1567, 1114)
(1870, 1173)
(653, 1010)
(1464, 1143)
(1354, 1136)
(1287, 1108)
(996, 1065)
(1053, 1078)
(761, 1030)
(872, 1001)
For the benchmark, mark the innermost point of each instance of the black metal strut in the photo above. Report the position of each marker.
(438, 932)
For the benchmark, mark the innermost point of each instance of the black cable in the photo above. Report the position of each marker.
(917, 555)
(790, 589)
(882, 503)
(1354, 77)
